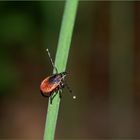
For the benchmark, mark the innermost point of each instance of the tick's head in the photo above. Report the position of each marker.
(63, 75)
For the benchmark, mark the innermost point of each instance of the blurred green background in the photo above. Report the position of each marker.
(103, 67)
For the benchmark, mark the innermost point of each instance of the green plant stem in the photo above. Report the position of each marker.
(60, 62)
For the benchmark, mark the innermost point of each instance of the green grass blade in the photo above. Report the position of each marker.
(60, 62)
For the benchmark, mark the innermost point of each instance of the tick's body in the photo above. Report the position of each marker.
(52, 84)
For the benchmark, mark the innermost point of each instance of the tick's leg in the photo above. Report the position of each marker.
(60, 95)
(53, 95)
(62, 85)
(51, 99)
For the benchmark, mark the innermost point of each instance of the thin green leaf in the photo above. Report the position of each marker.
(64, 42)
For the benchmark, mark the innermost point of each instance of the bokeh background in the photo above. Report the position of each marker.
(103, 66)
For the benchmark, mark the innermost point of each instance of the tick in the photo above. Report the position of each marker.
(53, 85)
